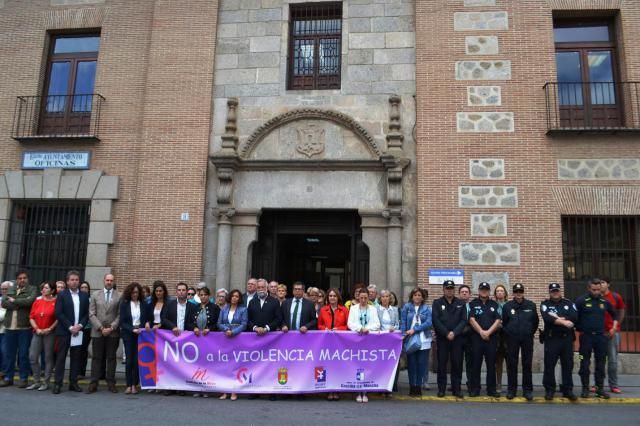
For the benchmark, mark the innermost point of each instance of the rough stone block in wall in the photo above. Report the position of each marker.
(264, 44)
(366, 41)
(492, 278)
(70, 2)
(485, 122)
(480, 21)
(487, 196)
(486, 168)
(477, 3)
(489, 253)
(481, 45)
(483, 70)
(599, 169)
(484, 96)
(488, 225)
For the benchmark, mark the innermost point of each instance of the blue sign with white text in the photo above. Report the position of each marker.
(438, 276)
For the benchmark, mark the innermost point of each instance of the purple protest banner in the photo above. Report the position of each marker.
(317, 361)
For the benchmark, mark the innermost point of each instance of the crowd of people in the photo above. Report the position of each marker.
(37, 332)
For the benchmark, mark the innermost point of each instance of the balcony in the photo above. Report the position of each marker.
(57, 117)
(608, 107)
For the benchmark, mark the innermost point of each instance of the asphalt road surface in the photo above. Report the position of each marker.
(21, 407)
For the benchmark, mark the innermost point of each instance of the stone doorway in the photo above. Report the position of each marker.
(322, 248)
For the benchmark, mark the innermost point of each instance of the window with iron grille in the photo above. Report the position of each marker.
(47, 239)
(605, 246)
(315, 38)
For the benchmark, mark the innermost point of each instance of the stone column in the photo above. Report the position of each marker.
(394, 253)
(374, 235)
(223, 261)
(244, 233)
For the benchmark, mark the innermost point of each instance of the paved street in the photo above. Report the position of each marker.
(20, 407)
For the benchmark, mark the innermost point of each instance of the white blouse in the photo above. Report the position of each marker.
(135, 314)
(156, 315)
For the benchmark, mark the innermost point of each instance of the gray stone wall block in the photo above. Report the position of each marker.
(394, 56)
(264, 44)
(101, 210)
(490, 254)
(486, 168)
(356, 88)
(394, 40)
(232, 90)
(33, 186)
(101, 232)
(359, 25)
(481, 45)
(400, 72)
(97, 254)
(488, 225)
(360, 57)
(394, 87)
(493, 278)
(233, 16)
(88, 183)
(95, 276)
(232, 45)
(107, 188)
(393, 24)
(4, 192)
(5, 209)
(69, 185)
(599, 169)
(484, 96)
(4, 231)
(268, 75)
(364, 10)
(366, 41)
(259, 60)
(270, 4)
(227, 61)
(74, 2)
(252, 29)
(265, 15)
(229, 5)
(480, 21)
(399, 9)
(250, 4)
(15, 184)
(479, 3)
(487, 197)
(51, 183)
(485, 122)
(235, 76)
(483, 70)
(227, 30)
(365, 72)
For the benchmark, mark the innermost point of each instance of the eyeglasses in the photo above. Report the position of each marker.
(191, 294)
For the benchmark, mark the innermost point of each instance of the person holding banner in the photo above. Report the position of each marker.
(298, 313)
(333, 317)
(389, 321)
(363, 318)
(134, 315)
(159, 299)
(415, 320)
(282, 293)
(204, 318)
(233, 321)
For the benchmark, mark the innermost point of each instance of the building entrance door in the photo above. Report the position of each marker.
(320, 248)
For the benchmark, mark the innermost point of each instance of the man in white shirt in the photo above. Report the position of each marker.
(252, 284)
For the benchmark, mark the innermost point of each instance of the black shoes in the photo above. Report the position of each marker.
(440, 394)
(56, 389)
(528, 396)
(493, 394)
(600, 393)
(74, 387)
(570, 396)
(585, 392)
(511, 395)
(548, 395)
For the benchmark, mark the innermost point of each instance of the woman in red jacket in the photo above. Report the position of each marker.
(43, 321)
(333, 317)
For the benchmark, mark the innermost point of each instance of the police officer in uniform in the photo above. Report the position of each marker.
(559, 316)
(449, 320)
(519, 322)
(485, 322)
(591, 308)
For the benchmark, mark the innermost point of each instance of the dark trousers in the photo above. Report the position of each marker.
(467, 355)
(519, 345)
(416, 364)
(17, 342)
(596, 343)
(554, 348)
(450, 351)
(84, 351)
(132, 373)
(483, 350)
(64, 346)
(104, 348)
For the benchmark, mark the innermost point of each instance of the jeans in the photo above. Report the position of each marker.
(417, 362)
(612, 360)
(38, 344)
(17, 341)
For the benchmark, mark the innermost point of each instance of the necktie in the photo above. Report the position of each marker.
(294, 319)
(108, 296)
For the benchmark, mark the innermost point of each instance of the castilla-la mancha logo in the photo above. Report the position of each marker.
(283, 376)
(199, 375)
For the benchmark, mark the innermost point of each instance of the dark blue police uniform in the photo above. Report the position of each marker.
(485, 314)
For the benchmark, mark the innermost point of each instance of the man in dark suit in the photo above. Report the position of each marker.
(251, 291)
(298, 313)
(72, 313)
(264, 314)
(174, 317)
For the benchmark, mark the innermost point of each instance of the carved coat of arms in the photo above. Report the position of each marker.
(310, 140)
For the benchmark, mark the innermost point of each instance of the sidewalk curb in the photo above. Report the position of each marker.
(520, 400)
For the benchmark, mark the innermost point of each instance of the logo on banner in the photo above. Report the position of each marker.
(283, 376)
(243, 376)
(360, 374)
(199, 375)
(320, 374)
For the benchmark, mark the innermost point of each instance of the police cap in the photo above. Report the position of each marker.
(484, 286)
(554, 287)
(448, 284)
(518, 287)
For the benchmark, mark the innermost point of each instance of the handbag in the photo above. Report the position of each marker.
(412, 343)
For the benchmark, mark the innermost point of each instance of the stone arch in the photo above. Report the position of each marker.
(336, 117)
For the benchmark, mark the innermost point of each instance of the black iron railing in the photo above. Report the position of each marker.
(57, 117)
(593, 107)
